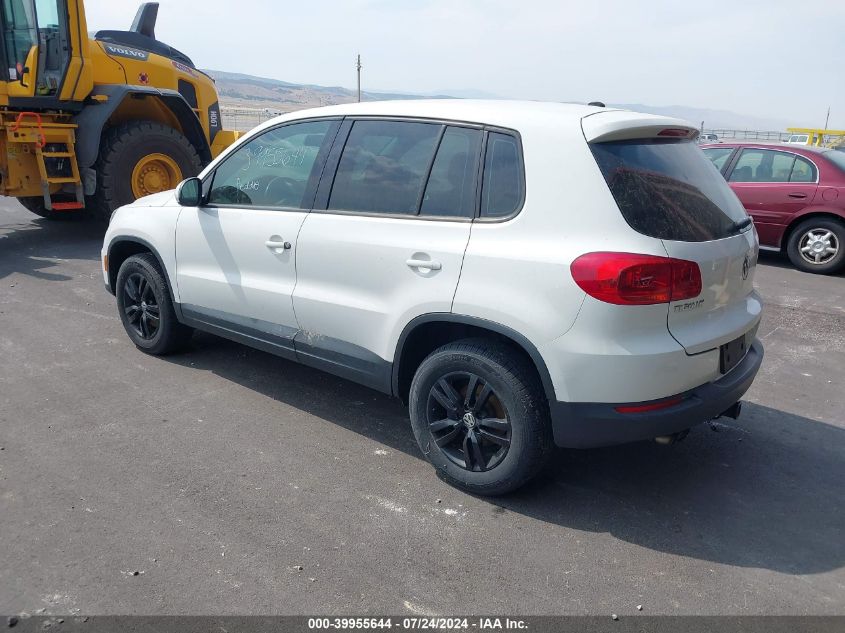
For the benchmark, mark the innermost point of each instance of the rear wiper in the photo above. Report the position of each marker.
(740, 225)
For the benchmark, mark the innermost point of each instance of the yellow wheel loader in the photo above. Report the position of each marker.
(89, 124)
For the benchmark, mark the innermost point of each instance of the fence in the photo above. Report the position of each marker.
(244, 119)
(749, 135)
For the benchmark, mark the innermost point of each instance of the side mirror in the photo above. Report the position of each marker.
(189, 192)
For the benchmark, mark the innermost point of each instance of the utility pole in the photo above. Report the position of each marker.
(827, 118)
(359, 77)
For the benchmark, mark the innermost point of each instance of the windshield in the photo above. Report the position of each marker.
(666, 188)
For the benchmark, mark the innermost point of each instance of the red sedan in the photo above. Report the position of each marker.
(796, 196)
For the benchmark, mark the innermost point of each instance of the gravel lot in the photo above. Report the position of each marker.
(217, 474)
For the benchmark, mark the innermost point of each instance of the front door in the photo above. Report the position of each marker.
(235, 255)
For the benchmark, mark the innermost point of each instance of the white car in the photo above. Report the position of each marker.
(520, 274)
(798, 139)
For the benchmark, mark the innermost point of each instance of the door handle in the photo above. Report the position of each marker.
(797, 195)
(423, 263)
(275, 244)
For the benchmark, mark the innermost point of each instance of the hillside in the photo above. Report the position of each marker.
(713, 119)
(245, 91)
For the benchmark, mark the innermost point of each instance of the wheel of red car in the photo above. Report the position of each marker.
(817, 245)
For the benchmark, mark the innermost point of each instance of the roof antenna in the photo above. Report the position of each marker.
(598, 104)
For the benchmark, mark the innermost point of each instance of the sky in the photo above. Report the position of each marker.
(773, 59)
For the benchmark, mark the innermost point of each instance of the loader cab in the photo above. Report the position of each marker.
(36, 47)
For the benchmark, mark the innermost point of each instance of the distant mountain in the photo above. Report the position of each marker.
(713, 119)
(468, 93)
(246, 91)
(240, 90)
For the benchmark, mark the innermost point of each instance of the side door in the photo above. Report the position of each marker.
(235, 254)
(773, 186)
(385, 242)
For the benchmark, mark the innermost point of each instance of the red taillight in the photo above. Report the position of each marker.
(674, 131)
(651, 406)
(632, 279)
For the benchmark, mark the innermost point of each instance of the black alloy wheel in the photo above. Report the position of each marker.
(480, 416)
(468, 421)
(143, 313)
(146, 308)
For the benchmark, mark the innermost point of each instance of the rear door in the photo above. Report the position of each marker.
(385, 242)
(666, 189)
(728, 307)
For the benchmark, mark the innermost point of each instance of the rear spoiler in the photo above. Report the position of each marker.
(621, 125)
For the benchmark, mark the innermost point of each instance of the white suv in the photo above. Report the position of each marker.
(521, 274)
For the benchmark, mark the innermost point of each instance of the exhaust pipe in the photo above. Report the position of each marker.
(732, 411)
(666, 440)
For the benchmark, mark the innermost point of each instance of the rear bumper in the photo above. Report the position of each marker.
(585, 425)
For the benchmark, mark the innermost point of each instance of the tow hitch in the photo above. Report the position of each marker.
(732, 411)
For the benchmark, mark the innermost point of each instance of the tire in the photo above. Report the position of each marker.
(819, 227)
(140, 277)
(516, 393)
(121, 149)
(35, 205)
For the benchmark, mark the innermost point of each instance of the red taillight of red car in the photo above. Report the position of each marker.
(632, 279)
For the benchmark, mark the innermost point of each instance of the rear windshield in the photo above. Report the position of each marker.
(666, 188)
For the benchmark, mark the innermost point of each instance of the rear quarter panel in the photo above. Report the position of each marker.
(516, 272)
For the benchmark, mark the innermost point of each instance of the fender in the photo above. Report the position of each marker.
(118, 239)
(93, 118)
(803, 214)
(505, 331)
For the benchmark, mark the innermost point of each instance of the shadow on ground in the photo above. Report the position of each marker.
(764, 492)
(32, 248)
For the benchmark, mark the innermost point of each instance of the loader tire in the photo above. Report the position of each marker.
(139, 158)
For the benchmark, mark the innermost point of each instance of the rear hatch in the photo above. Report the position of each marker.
(667, 189)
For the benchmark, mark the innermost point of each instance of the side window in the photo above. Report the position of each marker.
(803, 171)
(501, 191)
(762, 165)
(718, 155)
(781, 167)
(271, 170)
(383, 167)
(451, 186)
